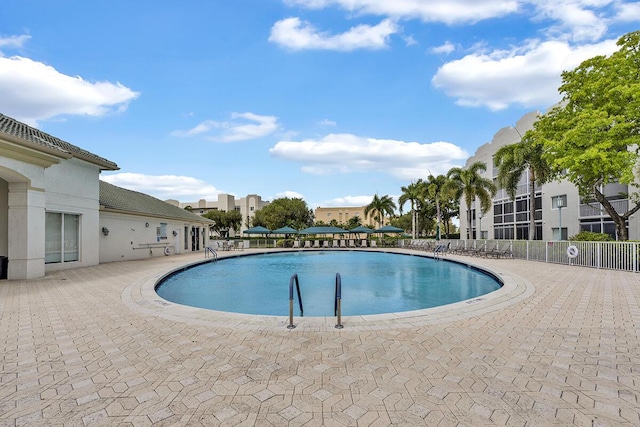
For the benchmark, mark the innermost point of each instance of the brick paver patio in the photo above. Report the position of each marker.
(559, 345)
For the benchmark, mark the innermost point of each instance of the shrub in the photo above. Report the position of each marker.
(588, 236)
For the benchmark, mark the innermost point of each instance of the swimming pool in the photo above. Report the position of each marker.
(372, 283)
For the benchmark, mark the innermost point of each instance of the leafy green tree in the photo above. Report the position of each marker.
(467, 183)
(413, 193)
(403, 221)
(224, 221)
(449, 209)
(592, 138)
(379, 207)
(283, 212)
(513, 161)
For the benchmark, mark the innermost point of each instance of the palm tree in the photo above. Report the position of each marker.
(412, 193)
(513, 161)
(468, 183)
(381, 206)
(436, 188)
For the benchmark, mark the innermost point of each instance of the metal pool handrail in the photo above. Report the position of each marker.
(209, 250)
(294, 279)
(337, 307)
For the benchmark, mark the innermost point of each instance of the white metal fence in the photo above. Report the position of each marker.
(608, 255)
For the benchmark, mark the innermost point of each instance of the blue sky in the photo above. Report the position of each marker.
(329, 100)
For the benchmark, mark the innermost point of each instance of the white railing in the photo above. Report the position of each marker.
(621, 256)
(620, 206)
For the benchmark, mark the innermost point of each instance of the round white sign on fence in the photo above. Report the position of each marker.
(572, 251)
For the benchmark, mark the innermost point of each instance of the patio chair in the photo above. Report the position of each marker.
(499, 253)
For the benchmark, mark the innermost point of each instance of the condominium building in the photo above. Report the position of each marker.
(559, 211)
(343, 214)
(247, 206)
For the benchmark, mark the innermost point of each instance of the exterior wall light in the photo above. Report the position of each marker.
(105, 231)
(175, 233)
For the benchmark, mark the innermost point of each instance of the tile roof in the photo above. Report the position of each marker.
(121, 199)
(36, 137)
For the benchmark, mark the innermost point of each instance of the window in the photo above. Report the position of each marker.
(557, 235)
(62, 235)
(161, 232)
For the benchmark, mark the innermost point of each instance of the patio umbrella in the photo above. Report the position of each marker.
(323, 230)
(361, 229)
(389, 229)
(284, 230)
(257, 230)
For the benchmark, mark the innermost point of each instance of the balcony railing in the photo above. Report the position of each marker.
(595, 209)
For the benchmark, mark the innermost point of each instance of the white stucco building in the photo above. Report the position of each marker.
(247, 206)
(509, 219)
(54, 209)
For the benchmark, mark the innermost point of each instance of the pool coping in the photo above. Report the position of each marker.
(141, 296)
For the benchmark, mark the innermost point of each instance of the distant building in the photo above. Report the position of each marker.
(343, 214)
(247, 206)
(509, 219)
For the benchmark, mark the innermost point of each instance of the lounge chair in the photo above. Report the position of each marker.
(343, 244)
(499, 253)
(373, 244)
(363, 244)
(352, 243)
(316, 243)
(441, 249)
(296, 244)
(335, 244)
(325, 244)
(307, 244)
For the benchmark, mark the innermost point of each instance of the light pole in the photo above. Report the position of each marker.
(559, 205)
(480, 226)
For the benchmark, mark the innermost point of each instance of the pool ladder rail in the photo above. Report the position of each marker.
(337, 308)
(209, 251)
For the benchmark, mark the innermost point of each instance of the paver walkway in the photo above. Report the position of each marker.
(94, 346)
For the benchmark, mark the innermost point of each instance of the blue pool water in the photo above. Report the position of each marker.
(372, 283)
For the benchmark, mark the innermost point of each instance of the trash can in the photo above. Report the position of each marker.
(4, 265)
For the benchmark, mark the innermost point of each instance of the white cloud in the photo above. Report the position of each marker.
(32, 91)
(347, 153)
(289, 194)
(348, 201)
(582, 20)
(163, 187)
(447, 11)
(237, 129)
(528, 76)
(628, 12)
(295, 34)
(15, 42)
(446, 48)
(327, 122)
